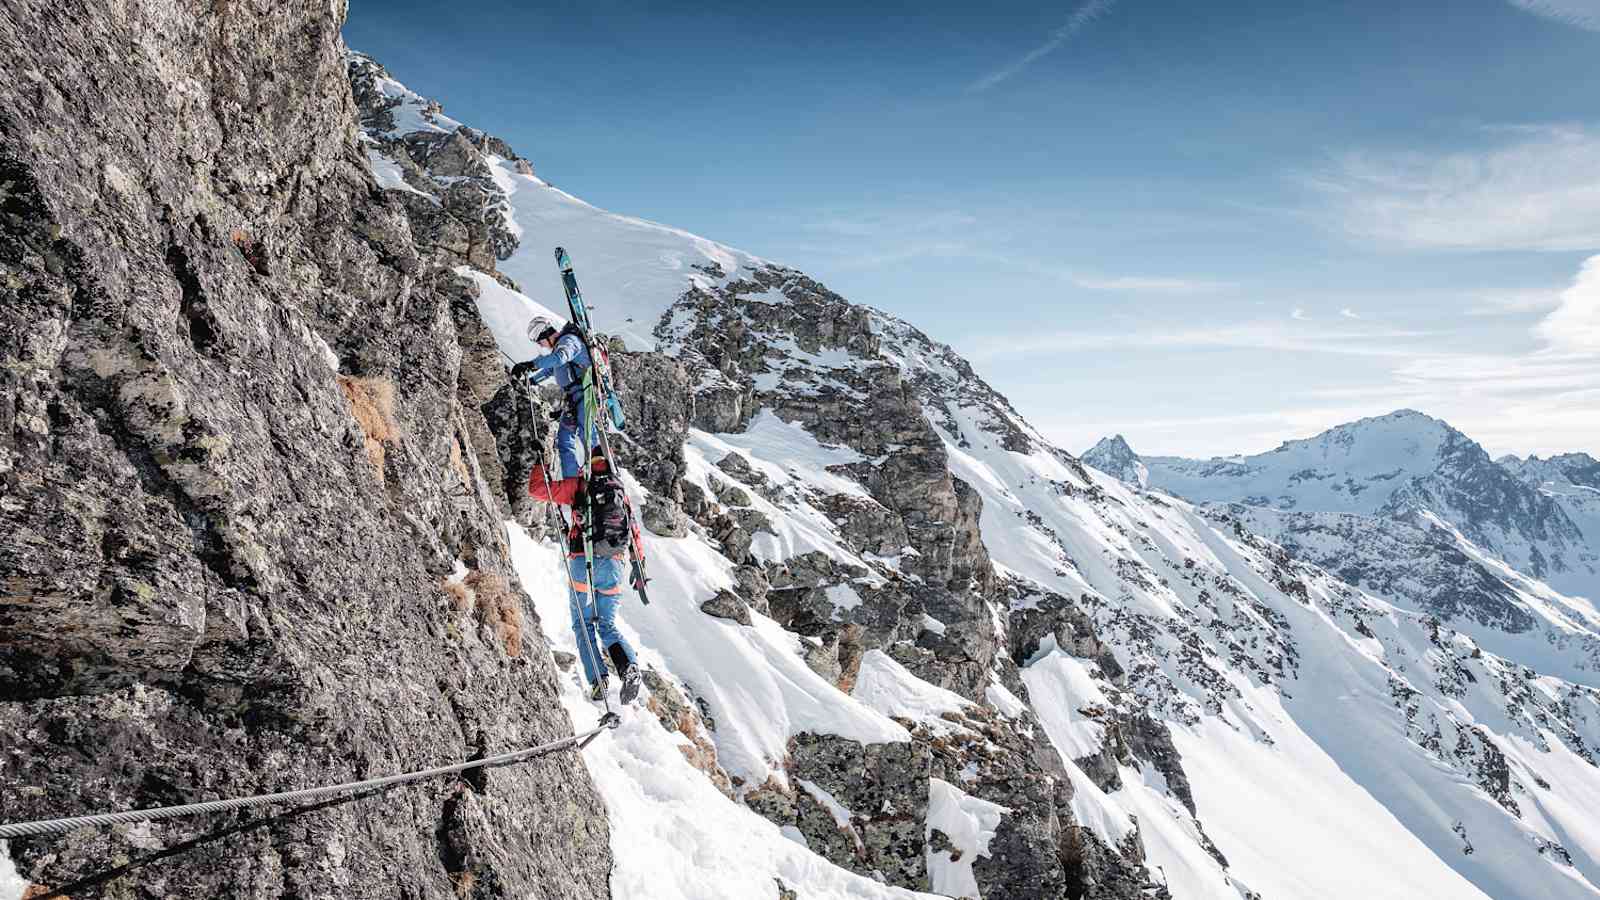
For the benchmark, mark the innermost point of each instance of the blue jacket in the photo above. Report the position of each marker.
(567, 362)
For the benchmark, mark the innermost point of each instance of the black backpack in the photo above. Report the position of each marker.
(605, 509)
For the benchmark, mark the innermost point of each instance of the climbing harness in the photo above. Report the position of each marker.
(60, 826)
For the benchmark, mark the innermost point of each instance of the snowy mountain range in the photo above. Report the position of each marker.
(903, 643)
(1414, 511)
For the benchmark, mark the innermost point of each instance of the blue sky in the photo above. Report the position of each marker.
(1209, 228)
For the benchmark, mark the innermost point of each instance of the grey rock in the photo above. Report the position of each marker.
(884, 786)
(239, 455)
(728, 493)
(737, 466)
(727, 605)
(659, 404)
(752, 521)
(663, 516)
(753, 585)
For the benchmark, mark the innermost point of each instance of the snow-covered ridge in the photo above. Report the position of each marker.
(1404, 464)
(902, 634)
(1414, 511)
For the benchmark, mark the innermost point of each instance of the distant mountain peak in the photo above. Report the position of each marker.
(1113, 456)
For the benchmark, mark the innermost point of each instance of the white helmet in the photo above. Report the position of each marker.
(538, 326)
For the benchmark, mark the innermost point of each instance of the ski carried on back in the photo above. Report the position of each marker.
(599, 392)
(597, 353)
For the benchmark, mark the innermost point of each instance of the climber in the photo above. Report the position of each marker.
(598, 503)
(567, 360)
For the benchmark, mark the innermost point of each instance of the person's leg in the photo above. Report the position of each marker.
(582, 620)
(607, 590)
(567, 443)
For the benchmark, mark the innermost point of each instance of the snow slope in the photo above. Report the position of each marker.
(630, 270)
(675, 836)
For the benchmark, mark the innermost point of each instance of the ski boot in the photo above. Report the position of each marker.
(598, 692)
(630, 684)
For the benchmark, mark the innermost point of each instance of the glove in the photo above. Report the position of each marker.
(521, 369)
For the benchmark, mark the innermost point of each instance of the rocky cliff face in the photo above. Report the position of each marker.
(251, 512)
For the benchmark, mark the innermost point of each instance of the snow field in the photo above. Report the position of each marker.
(673, 834)
(12, 885)
(970, 824)
(889, 687)
(630, 270)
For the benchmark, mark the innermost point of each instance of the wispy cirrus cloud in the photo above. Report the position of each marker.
(876, 239)
(1272, 334)
(1511, 303)
(1075, 23)
(1152, 285)
(1538, 191)
(1578, 13)
(893, 224)
(1541, 400)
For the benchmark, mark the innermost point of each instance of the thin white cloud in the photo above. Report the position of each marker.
(900, 253)
(1349, 313)
(892, 225)
(1141, 284)
(1540, 191)
(1262, 335)
(1075, 23)
(1510, 303)
(1299, 315)
(1578, 13)
(1541, 400)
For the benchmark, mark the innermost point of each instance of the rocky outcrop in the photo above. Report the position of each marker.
(861, 806)
(927, 593)
(245, 466)
(436, 168)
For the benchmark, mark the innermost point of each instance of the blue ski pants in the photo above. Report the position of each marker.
(575, 438)
(599, 615)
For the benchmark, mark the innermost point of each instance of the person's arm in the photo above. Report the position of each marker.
(566, 350)
(543, 366)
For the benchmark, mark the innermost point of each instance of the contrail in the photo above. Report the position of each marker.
(1577, 13)
(1085, 14)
